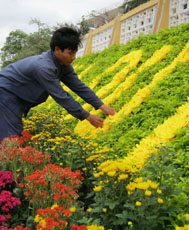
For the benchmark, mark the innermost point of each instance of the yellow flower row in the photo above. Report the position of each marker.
(122, 60)
(133, 59)
(156, 57)
(162, 134)
(138, 183)
(186, 227)
(85, 71)
(134, 55)
(77, 67)
(83, 129)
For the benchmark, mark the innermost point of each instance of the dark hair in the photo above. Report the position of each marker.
(66, 37)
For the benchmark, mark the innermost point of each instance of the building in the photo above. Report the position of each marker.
(147, 18)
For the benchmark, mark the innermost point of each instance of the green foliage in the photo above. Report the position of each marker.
(115, 205)
(165, 98)
(131, 4)
(15, 42)
(169, 167)
(20, 45)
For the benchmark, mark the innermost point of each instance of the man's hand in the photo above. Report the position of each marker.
(107, 110)
(95, 121)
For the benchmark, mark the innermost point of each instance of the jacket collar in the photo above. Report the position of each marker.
(54, 59)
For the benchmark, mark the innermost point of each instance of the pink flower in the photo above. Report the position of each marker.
(2, 218)
(7, 201)
(6, 177)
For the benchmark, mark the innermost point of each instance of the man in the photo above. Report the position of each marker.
(28, 82)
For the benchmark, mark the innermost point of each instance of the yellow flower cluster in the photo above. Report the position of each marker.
(42, 135)
(186, 227)
(95, 227)
(95, 82)
(156, 57)
(58, 140)
(122, 60)
(84, 128)
(98, 188)
(77, 67)
(134, 55)
(85, 71)
(142, 94)
(39, 117)
(122, 177)
(93, 157)
(138, 183)
(97, 175)
(29, 125)
(41, 221)
(160, 135)
(73, 209)
(133, 59)
(111, 165)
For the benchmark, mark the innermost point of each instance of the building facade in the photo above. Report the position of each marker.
(147, 18)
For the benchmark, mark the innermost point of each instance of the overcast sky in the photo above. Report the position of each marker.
(16, 14)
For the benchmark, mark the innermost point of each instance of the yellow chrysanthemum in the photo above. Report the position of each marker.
(159, 191)
(95, 227)
(111, 173)
(122, 177)
(148, 193)
(104, 209)
(160, 201)
(138, 203)
(73, 209)
(98, 188)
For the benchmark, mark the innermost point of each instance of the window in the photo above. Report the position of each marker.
(174, 10)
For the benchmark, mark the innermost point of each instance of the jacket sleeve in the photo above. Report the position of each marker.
(71, 80)
(50, 81)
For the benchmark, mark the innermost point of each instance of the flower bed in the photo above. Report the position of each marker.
(130, 175)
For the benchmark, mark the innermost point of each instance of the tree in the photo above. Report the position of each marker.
(83, 26)
(131, 4)
(15, 42)
(20, 45)
(39, 40)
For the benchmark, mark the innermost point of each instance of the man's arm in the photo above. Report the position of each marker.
(51, 83)
(48, 79)
(72, 81)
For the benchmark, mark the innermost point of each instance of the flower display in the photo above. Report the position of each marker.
(130, 174)
(6, 179)
(7, 201)
(52, 183)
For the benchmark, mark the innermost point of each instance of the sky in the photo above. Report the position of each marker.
(16, 14)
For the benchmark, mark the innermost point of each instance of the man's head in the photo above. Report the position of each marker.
(65, 42)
